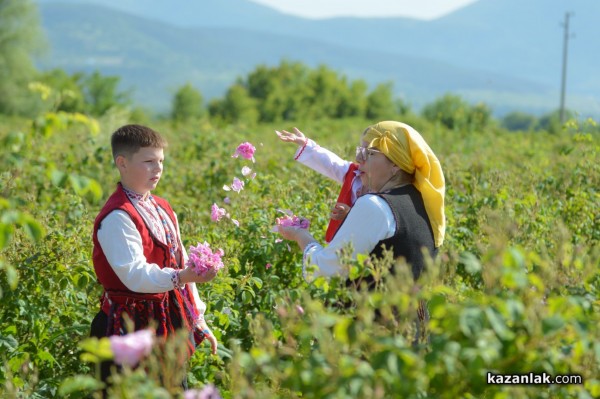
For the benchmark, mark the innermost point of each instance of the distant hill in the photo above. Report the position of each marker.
(486, 51)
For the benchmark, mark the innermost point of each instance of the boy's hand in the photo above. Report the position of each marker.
(296, 137)
(339, 211)
(206, 276)
(214, 344)
(188, 275)
(208, 335)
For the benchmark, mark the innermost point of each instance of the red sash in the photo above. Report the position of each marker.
(345, 197)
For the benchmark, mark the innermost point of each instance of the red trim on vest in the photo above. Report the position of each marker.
(345, 197)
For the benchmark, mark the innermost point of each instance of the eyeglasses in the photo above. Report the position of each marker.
(362, 153)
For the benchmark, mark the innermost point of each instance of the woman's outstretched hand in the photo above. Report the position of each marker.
(292, 233)
(296, 137)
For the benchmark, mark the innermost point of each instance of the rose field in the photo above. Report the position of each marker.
(515, 288)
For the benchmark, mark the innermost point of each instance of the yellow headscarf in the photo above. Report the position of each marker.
(405, 147)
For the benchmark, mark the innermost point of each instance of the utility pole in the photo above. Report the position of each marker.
(564, 67)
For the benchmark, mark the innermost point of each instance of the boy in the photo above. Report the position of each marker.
(138, 255)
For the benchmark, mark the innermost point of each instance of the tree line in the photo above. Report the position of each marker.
(290, 91)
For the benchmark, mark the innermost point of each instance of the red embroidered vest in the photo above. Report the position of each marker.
(154, 250)
(345, 197)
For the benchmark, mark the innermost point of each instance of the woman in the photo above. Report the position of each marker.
(403, 211)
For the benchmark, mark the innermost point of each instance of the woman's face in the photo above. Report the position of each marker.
(376, 170)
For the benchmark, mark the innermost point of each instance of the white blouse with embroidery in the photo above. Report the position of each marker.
(328, 164)
(369, 221)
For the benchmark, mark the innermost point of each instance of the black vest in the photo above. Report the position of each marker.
(413, 229)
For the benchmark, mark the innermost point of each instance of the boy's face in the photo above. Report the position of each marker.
(141, 171)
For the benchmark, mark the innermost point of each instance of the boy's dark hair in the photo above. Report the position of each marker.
(128, 139)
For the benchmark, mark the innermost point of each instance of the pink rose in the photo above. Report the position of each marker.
(236, 186)
(246, 150)
(208, 392)
(129, 349)
(247, 172)
(202, 258)
(290, 220)
(217, 213)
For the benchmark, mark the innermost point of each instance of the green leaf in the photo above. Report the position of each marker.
(498, 325)
(79, 383)
(45, 356)
(224, 353)
(76, 183)
(9, 342)
(95, 189)
(470, 321)
(257, 282)
(341, 330)
(58, 178)
(552, 324)
(32, 228)
(362, 258)
(11, 274)
(6, 231)
(471, 263)
(100, 348)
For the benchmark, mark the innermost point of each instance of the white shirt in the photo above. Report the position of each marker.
(369, 221)
(328, 164)
(121, 243)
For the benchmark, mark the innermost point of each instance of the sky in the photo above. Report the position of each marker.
(420, 9)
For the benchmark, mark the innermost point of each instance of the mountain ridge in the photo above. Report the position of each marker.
(306, 49)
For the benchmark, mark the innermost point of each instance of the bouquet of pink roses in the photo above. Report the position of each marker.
(202, 258)
(290, 220)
